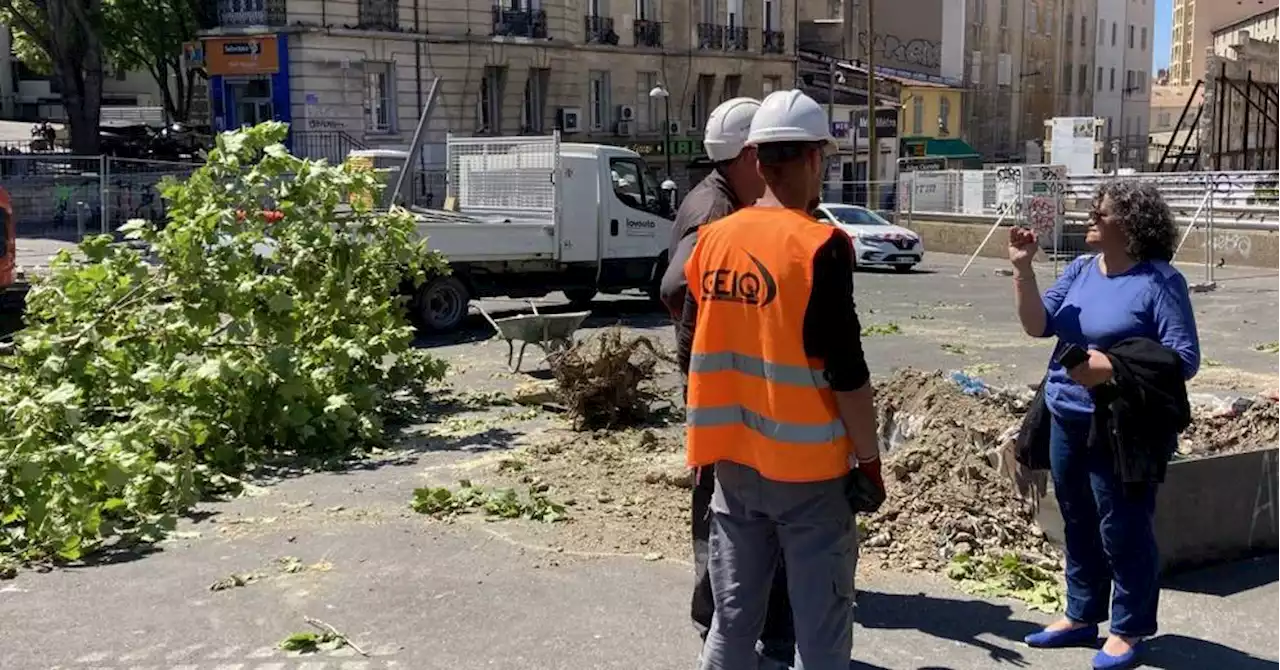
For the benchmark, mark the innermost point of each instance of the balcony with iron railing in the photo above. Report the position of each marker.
(775, 41)
(599, 29)
(647, 33)
(710, 36)
(378, 15)
(241, 13)
(519, 22)
(737, 38)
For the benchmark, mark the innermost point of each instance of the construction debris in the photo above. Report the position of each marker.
(606, 381)
(947, 495)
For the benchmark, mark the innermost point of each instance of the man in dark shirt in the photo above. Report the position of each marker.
(733, 184)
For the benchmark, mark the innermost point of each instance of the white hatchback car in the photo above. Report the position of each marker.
(875, 240)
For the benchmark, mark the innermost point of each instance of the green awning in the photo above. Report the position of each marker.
(951, 147)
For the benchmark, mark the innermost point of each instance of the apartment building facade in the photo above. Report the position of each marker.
(360, 71)
(1193, 24)
(1016, 73)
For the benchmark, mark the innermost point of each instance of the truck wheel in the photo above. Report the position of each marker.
(580, 297)
(654, 290)
(441, 304)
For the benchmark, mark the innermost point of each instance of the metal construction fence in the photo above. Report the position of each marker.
(62, 196)
(1214, 204)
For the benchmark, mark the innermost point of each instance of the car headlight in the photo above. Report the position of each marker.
(871, 238)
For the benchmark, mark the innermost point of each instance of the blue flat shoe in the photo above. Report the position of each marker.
(1068, 637)
(1104, 661)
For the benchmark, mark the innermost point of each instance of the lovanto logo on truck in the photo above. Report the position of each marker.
(640, 228)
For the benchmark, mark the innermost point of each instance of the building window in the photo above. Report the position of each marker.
(1033, 18)
(1102, 31)
(1113, 79)
(702, 96)
(598, 100)
(1143, 41)
(1066, 78)
(917, 115)
(1071, 28)
(772, 18)
(944, 116)
(1131, 32)
(380, 97)
(734, 13)
(646, 105)
(1099, 79)
(1113, 33)
(491, 84)
(732, 84)
(770, 84)
(1082, 78)
(1004, 13)
(533, 113)
(1084, 31)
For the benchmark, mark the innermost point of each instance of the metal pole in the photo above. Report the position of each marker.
(82, 212)
(103, 176)
(416, 143)
(1211, 249)
(1244, 124)
(1217, 137)
(666, 132)
(873, 145)
(831, 93)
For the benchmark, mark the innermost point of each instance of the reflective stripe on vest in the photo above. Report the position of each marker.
(798, 433)
(795, 375)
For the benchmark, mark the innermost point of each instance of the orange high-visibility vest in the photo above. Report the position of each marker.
(755, 397)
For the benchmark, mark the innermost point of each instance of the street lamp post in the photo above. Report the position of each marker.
(660, 91)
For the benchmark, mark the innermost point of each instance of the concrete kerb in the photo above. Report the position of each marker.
(1209, 510)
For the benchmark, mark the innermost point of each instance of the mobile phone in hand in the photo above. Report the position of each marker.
(1070, 356)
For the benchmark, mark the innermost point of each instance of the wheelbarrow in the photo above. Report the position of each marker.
(549, 332)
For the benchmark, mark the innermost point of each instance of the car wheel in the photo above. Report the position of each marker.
(903, 269)
(441, 304)
(580, 297)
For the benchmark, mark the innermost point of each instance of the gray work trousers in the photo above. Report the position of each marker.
(752, 519)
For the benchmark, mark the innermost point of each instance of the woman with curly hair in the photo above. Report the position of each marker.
(1128, 289)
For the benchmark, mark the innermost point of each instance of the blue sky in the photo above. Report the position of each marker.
(1160, 40)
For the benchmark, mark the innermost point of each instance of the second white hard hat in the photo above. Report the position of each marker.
(790, 116)
(727, 128)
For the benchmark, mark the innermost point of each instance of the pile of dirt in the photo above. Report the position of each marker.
(606, 381)
(948, 494)
(1245, 425)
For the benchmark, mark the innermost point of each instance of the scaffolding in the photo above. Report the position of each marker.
(1236, 124)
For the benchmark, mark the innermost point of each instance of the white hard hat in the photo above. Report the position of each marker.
(727, 128)
(790, 116)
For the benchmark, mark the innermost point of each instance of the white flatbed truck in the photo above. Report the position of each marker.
(529, 216)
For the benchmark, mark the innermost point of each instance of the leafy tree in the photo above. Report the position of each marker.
(64, 36)
(263, 320)
(149, 35)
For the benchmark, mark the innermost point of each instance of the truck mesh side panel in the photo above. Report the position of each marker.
(510, 173)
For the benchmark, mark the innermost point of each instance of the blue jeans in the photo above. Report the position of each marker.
(1109, 533)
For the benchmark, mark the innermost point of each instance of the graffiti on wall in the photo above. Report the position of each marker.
(890, 48)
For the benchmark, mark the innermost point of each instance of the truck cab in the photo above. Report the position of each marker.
(528, 216)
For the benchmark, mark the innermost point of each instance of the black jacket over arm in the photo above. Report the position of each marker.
(1137, 415)
(1141, 411)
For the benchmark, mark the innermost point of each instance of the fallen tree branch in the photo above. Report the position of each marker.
(336, 633)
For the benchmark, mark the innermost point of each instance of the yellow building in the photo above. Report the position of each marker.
(929, 121)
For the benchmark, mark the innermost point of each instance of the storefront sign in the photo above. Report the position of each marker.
(257, 54)
(886, 123)
(678, 148)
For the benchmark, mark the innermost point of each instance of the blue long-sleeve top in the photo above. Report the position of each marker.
(1094, 310)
